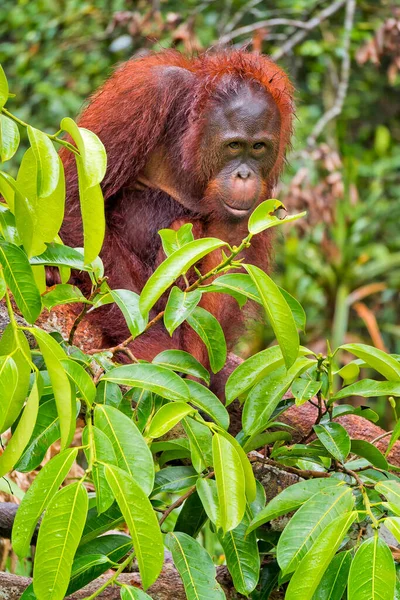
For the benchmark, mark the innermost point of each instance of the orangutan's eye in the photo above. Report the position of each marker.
(259, 146)
(234, 145)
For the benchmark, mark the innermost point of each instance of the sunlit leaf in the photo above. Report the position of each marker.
(179, 306)
(167, 417)
(9, 138)
(334, 580)
(200, 439)
(182, 362)
(382, 362)
(208, 402)
(91, 149)
(48, 162)
(82, 380)
(372, 572)
(335, 439)
(210, 331)
(370, 452)
(368, 388)
(100, 450)
(3, 88)
(230, 483)
(62, 293)
(173, 239)
(128, 303)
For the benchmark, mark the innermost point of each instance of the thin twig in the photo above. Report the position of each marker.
(305, 473)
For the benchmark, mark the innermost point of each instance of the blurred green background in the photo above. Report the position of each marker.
(343, 261)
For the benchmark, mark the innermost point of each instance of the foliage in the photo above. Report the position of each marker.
(145, 480)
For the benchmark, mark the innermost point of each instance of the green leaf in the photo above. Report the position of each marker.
(304, 389)
(368, 388)
(242, 556)
(179, 306)
(7, 224)
(385, 364)
(9, 138)
(208, 494)
(370, 452)
(141, 521)
(308, 522)
(38, 218)
(173, 267)
(372, 572)
(208, 402)
(63, 293)
(278, 313)
(210, 331)
(14, 374)
(200, 439)
(265, 439)
(18, 275)
(108, 393)
(38, 496)
(97, 524)
(174, 479)
(266, 395)
(133, 454)
(58, 255)
(133, 593)
(167, 417)
(394, 437)
(290, 499)
(82, 380)
(249, 478)
(159, 380)
(334, 580)
(390, 489)
(47, 160)
(195, 567)
(92, 152)
(393, 524)
(262, 218)
(173, 239)
(58, 539)
(22, 433)
(3, 88)
(53, 355)
(314, 564)
(335, 439)
(192, 516)
(182, 362)
(101, 450)
(9, 409)
(230, 483)
(128, 302)
(93, 217)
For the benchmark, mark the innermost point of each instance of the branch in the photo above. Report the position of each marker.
(299, 36)
(337, 107)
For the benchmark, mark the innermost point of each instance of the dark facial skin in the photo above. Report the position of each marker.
(241, 143)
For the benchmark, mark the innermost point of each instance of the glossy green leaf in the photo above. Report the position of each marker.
(18, 275)
(93, 217)
(368, 388)
(249, 478)
(173, 267)
(393, 524)
(230, 482)
(210, 332)
(9, 408)
(334, 580)
(372, 572)
(3, 88)
(314, 564)
(38, 218)
(82, 380)
(22, 433)
(38, 496)
(242, 556)
(100, 451)
(97, 524)
(195, 567)
(173, 239)
(128, 303)
(200, 439)
(290, 499)
(14, 376)
(253, 369)
(349, 372)
(335, 439)
(390, 489)
(308, 522)
(192, 516)
(278, 313)
(394, 437)
(63, 293)
(108, 393)
(266, 395)
(370, 452)
(45, 433)
(205, 400)
(9, 138)
(382, 362)
(58, 539)
(133, 593)
(260, 440)
(174, 479)
(262, 218)
(182, 362)
(167, 417)
(58, 255)
(179, 306)
(141, 521)
(159, 380)
(91, 149)
(208, 494)
(48, 162)
(133, 454)
(53, 355)
(304, 389)
(7, 224)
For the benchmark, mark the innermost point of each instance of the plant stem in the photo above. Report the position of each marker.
(52, 137)
(113, 578)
